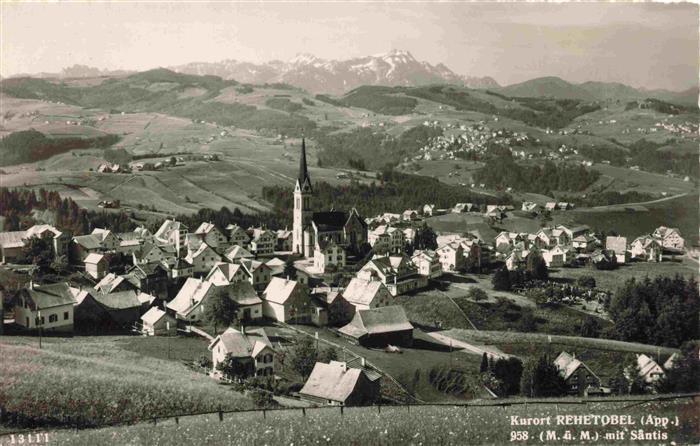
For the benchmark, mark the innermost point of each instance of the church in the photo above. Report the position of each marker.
(312, 230)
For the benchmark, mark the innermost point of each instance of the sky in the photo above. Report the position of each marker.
(640, 44)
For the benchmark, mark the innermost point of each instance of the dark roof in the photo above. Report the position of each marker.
(53, 295)
(243, 293)
(330, 220)
(376, 321)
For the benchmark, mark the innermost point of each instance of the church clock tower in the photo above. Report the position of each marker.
(302, 208)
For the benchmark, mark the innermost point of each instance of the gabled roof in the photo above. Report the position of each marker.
(329, 220)
(167, 227)
(88, 241)
(190, 295)
(362, 292)
(120, 300)
(617, 244)
(153, 315)
(205, 228)
(12, 239)
(48, 296)
(377, 321)
(108, 283)
(279, 290)
(334, 381)
(238, 252)
(567, 365)
(243, 293)
(94, 257)
(229, 270)
(242, 345)
(646, 365)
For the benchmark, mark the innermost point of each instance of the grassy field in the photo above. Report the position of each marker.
(397, 425)
(92, 381)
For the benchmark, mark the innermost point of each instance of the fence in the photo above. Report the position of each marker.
(636, 401)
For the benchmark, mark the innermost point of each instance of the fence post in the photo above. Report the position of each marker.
(155, 421)
(379, 408)
(177, 420)
(341, 411)
(221, 415)
(264, 414)
(303, 411)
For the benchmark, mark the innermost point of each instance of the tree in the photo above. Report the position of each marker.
(484, 367)
(236, 368)
(536, 267)
(683, 375)
(528, 322)
(289, 270)
(477, 294)
(262, 399)
(426, 238)
(221, 310)
(327, 355)
(590, 328)
(501, 280)
(541, 378)
(509, 372)
(304, 357)
(586, 282)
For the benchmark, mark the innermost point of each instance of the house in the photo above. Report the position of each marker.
(96, 265)
(258, 273)
(108, 240)
(336, 309)
(555, 257)
(276, 266)
(379, 327)
(210, 234)
(464, 207)
(131, 242)
(287, 301)
(49, 307)
(396, 239)
(248, 304)
(156, 322)
(579, 378)
(409, 215)
(365, 294)
(13, 242)
(89, 316)
(124, 308)
(236, 253)
(180, 269)
(646, 248)
(529, 206)
(649, 370)
(337, 384)
(564, 206)
(572, 233)
(190, 302)
(429, 209)
(151, 278)
(427, 263)
(171, 233)
(618, 245)
(451, 257)
(585, 242)
(202, 257)
(516, 259)
(550, 206)
(284, 240)
(152, 253)
(237, 236)
(223, 274)
(262, 242)
(670, 238)
(328, 256)
(396, 272)
(113, 283)
(250, 347)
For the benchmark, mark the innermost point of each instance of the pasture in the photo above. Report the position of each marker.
(427, 425)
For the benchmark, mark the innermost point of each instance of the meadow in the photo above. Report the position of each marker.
(419, 425)
(95, 381)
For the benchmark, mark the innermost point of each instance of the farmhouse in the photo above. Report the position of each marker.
(396, 272)
(49, 307)
(151, 278)
(670, 238)
(336, 309)
(11, 243)
(365, 294)
(257, 272)
(579, 378)
(201, 256)
(337, 384)
(646, 248)
(89, 316)
(287, 301)
(379, 327)
(124, 308)
(451, 257)
(113, 283)
(248, 304)
(156, 322)
(191, 300)
(251, 348)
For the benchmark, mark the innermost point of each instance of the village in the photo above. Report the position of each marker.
(335, 277)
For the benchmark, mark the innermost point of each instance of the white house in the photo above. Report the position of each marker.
(262, 242)
(288, 301)
(209, 234)
(223, 274)
(649, 370)
(238, 236)
(190, 302)
(248, 304)
(248, 345)
(646, 248)
(202, 257)
(49, 307)
(236, 253)
(96, 265)
(451, 257)
(328, 254)
(258, 273)
(669, 238)
(365, 294)
(427, 263)
(156, 322)
(619, 246)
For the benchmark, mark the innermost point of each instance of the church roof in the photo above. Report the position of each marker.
(330, 220)
(303, 171)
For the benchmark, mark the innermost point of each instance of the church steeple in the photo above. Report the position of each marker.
(303, 171)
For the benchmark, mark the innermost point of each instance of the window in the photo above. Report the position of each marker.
(65, 316)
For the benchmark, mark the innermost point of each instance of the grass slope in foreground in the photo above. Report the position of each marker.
(92, 381)
(395, 425)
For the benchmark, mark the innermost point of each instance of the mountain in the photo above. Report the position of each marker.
(557, 88)
(395, 68)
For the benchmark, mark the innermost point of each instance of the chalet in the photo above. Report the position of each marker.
(96, 265)
(646, 248)
(248, 304)
(238, 236)
(287, 301)
(379, 327)
(579, 378)
(337, 384)
(328, 255)
(210, 234)
(451, 257)
(670, 238)
(262, 242)
(365, 294)
(190, 302)
(223, 274)
(202, 257)
(156, 322)
(618, 245)
(649, 370)
(49, 307)
(250, 347)
(336, 310)
(151, 253)
(259, 274)
(236, 253)
(108, 240)
(427, 263)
